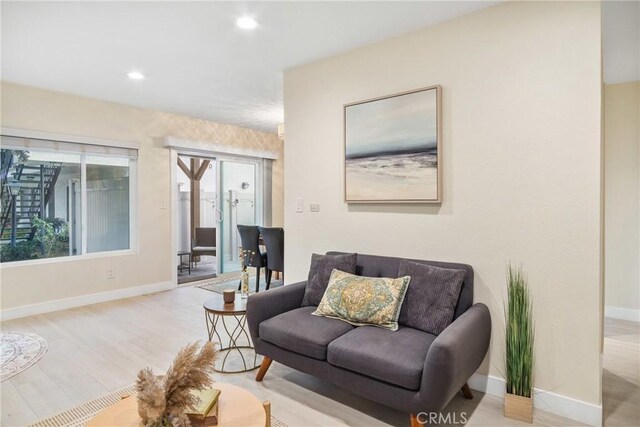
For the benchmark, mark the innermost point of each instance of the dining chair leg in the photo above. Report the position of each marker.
(268, 278)
(257, 279)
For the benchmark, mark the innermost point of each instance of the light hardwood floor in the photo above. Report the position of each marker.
(100, 348)
(621, 375)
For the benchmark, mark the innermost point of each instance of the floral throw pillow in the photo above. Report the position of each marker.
(360, 301)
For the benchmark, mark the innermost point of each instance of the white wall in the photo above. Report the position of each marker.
(30, 288)
(522, 169)
(622, 200)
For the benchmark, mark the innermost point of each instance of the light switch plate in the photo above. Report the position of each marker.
(299, 205)
(314, 207)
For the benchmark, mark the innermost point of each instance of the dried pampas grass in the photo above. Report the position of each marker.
(151, 400)
(163, 401)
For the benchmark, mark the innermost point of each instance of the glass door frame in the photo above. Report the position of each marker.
(175, 154)
(173, 202)
(258, 164)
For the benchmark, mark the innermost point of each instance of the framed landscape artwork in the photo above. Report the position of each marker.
(393, 148)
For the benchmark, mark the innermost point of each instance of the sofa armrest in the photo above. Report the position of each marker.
(267, 304)
(454, 356)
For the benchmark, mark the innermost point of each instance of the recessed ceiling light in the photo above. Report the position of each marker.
(246, 22)
(135, 75)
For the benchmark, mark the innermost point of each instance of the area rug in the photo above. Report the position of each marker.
(231, 281)
(80, 415)
(19, 351)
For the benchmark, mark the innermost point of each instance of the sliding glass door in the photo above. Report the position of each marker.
(197, 215)
(240, 204)
(214, 196)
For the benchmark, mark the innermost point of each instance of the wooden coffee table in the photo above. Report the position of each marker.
(232, 318)
(236, 408)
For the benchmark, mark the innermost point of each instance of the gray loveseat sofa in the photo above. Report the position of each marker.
(408, 370)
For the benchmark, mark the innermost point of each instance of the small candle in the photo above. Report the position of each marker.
(229, 295)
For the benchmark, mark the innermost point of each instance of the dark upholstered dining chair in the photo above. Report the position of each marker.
(274, 241)
(250, 235)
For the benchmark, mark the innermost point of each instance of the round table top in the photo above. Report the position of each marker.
(236, 407)
(217, 305)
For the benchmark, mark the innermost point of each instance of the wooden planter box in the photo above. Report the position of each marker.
(518, 407)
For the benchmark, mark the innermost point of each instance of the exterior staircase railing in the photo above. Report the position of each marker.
(37, 183)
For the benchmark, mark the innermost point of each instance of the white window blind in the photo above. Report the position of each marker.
(17, 143)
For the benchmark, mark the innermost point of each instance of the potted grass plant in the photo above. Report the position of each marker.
(519, 334)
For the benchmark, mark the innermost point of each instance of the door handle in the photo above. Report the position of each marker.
(219, 214)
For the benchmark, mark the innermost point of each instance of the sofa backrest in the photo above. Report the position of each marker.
(384, 266)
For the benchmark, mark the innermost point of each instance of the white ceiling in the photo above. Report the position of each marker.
(199, 64)
(196, 61)
(621, 41)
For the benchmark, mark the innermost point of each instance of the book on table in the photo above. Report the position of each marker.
(211, 419)
(205, 412)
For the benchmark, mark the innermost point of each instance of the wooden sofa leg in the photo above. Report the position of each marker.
(466, 391)
(264, 367)
(414, 421)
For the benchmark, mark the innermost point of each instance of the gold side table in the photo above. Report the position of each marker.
(217, 315)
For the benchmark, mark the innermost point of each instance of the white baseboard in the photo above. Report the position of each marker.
(622, 313)
(558, 404)
(63, 304)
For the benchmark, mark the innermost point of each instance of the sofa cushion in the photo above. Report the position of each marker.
(394, 357)
(432, 296)
(383, 266)
(364, 301)
(320, 272)
(298, 331)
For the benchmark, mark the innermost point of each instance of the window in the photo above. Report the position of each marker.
(64, 199)
(107, 204)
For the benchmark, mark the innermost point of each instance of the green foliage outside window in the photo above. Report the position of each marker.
(50, 240)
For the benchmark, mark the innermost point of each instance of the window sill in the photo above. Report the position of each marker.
(43, 261)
